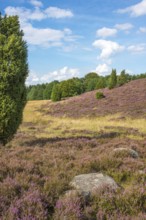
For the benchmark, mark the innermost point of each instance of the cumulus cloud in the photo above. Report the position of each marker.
(108, 48)
(142, 29)
(60, 74)
(33, 78)
(54, 12)
(25, 14)
(135, 10)
(124, 26)
(103, 69)
(36, 3)
(139, 48)
(46, 37)
(37, 13)
(106, 32)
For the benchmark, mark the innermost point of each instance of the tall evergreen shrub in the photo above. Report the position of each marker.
(13, 73)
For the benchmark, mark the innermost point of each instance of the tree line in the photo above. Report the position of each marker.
(92, 81)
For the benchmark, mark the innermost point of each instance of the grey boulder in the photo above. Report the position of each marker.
(131, 152)
(87, 184)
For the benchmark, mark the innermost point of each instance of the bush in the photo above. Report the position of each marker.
(69, 208)
(100, 95)
(13, 73)
(32, 205)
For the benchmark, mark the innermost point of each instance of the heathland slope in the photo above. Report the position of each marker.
(129, 99)
(38, 165)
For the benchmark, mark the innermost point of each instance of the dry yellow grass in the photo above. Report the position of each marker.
(65, 127)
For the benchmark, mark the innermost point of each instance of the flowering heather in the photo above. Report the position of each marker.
(129, 99)
(69, 208)
(31, 206)
(47, 152)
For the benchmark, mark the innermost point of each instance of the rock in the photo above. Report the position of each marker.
(88, 184)
(72, 193)
(131, 152)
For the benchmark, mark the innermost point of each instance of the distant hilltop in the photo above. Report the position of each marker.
(129, 100)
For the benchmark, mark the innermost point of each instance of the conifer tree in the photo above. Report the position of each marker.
(13, 73)
(56, 93)
(113, 79)
(122, 78)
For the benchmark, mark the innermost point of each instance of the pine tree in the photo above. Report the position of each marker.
(13, 73)
(113, 79)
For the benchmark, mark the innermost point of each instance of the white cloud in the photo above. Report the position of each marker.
(61, 74)
(54, 12)
(38, 14)
(36, 3)
(106, 32)
(46, 37)
(25, 14)
(43, 37)
(124, 26)
(129, 71)
(108, 48)
(139, 48)
(32, 78)
(135, 10)
(142, 29)
(103, 69)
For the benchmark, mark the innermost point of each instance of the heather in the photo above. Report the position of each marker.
(56, 90)
(49, 149)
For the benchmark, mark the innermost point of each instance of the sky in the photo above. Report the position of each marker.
(70, 38)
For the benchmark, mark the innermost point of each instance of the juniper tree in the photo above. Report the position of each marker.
(13, 73)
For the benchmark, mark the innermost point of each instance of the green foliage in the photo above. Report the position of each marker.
(101, 83)
(77, 86)
(90, 81)
(32, 95)
(113, 79)
(100, 95)
(13, 73)
(91, 75)
(48, 90)
(71, 87)
(56, 93)
(122, 78)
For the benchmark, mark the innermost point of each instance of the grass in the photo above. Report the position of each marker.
(47, 152)
(68, 127)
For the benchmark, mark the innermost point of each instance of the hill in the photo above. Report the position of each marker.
(49, 150)
(129, 99)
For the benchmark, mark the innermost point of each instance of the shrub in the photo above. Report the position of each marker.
(13, 72)
(69, 208)
(32, 205)
(100, 95)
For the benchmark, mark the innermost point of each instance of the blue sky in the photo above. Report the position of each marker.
(70, 38)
